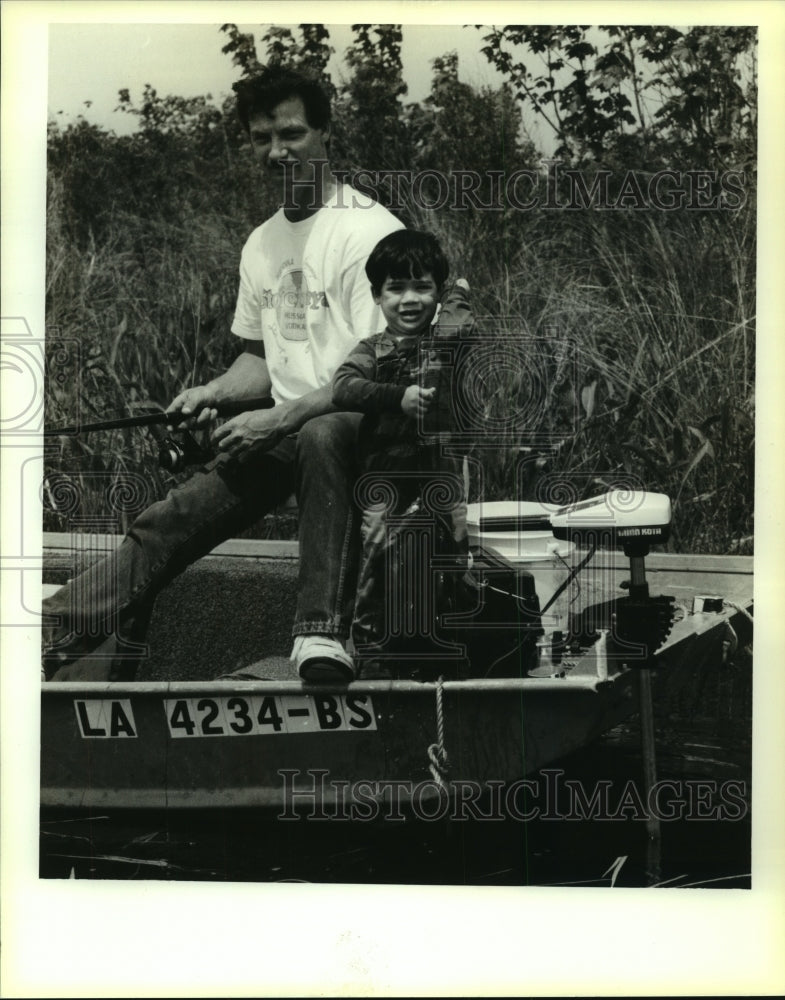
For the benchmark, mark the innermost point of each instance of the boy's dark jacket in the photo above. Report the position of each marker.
(372, 380)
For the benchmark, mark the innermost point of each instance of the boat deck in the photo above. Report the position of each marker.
(249, 587)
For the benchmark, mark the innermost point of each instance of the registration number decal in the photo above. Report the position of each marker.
(269, 715)
(105, 718)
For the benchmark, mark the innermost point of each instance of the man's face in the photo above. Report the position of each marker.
(408, 304)
(286, 137)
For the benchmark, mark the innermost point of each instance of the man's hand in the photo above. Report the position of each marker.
(416, 401)
(197, 403)
(256, 430)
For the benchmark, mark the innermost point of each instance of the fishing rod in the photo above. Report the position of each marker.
(159, 417)
(174, 454)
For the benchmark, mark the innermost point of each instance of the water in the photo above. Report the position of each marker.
(703, 737)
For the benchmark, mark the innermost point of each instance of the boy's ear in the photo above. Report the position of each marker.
(377, 296)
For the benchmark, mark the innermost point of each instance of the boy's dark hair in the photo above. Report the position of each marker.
(275, 84)
(406, 253)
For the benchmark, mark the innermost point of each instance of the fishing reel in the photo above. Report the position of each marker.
(178, 451)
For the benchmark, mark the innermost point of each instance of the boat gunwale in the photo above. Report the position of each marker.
(287, 550)
(218, 686)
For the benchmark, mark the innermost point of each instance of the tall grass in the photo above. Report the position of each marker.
(145, 305)
(643, 324)
(656, 312)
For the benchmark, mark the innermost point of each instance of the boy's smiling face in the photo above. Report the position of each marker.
(408, 304)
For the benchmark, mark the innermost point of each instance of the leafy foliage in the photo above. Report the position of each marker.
(638, 95)
(369, 115)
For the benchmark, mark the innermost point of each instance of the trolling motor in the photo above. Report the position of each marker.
(176, 451)
(633, 520)
(637, 624)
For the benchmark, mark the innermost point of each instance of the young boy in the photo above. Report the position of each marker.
(411, 492)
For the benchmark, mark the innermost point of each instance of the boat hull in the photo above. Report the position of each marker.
(167, 742)
(288, 746)
(116, 747)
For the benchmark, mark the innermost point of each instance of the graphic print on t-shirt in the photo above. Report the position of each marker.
(291, 301)
(293, 298)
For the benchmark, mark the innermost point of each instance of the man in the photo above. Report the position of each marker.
(303, 303)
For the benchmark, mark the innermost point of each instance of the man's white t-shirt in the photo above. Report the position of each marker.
(304, 291)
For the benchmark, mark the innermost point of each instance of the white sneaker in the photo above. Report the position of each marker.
(320, 659)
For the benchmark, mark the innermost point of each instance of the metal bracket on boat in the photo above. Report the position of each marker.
(644, 622)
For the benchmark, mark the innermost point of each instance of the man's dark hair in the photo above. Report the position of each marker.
(275, 84)
(406, 253)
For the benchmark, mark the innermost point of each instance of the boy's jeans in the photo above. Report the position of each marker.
(105, 611)
(415, 549)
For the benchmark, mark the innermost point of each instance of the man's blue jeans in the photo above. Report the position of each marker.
(105, 611)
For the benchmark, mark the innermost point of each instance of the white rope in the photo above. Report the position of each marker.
(437, 753)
